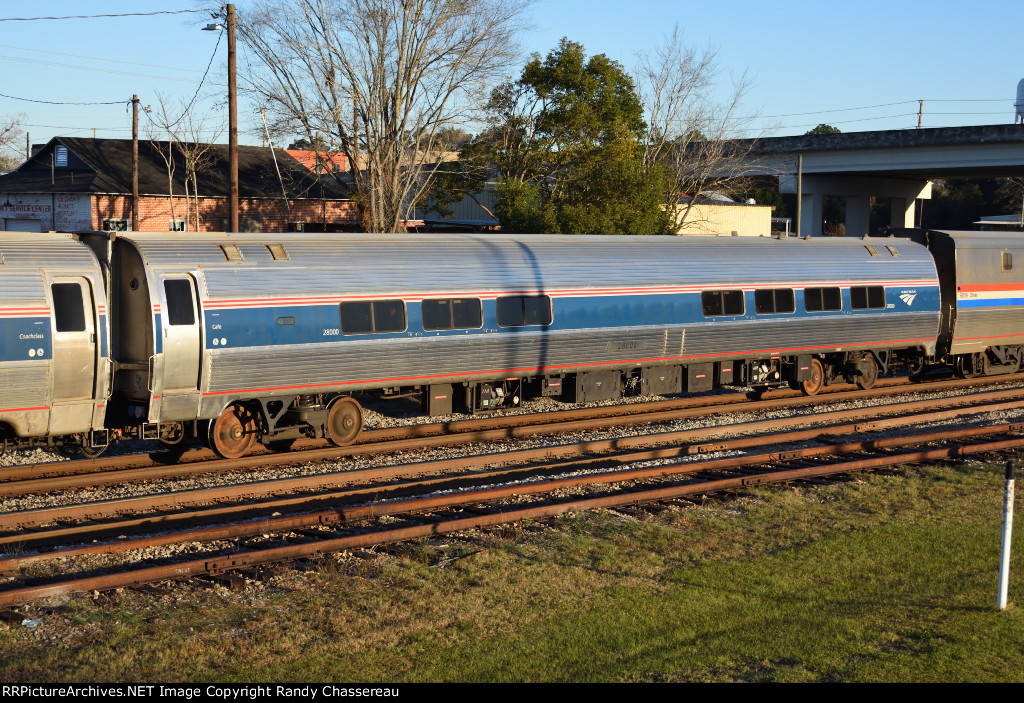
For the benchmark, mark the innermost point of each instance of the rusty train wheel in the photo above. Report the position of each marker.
(817, 380)
(233, 434)
(344, 422)
(867, 380)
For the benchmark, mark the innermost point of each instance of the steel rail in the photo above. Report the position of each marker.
(90, 480)
(333, 515)
(180, 500)
(251, 558)
(404, 438)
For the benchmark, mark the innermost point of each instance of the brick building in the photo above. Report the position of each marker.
(75, 184)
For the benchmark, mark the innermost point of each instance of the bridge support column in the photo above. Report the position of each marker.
(811, 214)
(902, 212)
(858, 191)
(858, 215)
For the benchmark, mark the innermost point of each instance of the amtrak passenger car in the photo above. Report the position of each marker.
(53, 337)
(268, 335)
(981, 275)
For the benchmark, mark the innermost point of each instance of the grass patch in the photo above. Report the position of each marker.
(886, 578)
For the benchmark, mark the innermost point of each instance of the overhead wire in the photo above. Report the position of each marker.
(89, 17)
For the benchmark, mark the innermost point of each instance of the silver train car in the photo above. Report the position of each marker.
(981, 276)
(54, 373)
(244, 338)
(267, 336)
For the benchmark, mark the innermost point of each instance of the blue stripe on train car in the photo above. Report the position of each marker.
(314, 324)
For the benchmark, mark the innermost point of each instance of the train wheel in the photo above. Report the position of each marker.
(867, 379)
(172, 434)
(91, 452)
(233, 434)
(344, 422)
(816, 382)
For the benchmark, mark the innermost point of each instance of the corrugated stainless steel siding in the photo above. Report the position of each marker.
(24, 385)
(26, 256)
(810, 335)
(52, 251)
(410, 264)
(417, 361)
(22, 286)
(978, 328)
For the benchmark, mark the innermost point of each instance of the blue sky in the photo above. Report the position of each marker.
(831, 60)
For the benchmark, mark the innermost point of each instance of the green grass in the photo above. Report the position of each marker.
(887, 578)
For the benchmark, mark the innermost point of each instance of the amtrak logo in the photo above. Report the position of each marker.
(908, 297)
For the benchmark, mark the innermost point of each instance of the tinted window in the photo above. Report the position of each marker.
(721, 302)
(867, 297)
(451, 314)
(356, 318)
(388, 316)
(180, 305)
(372, 316)
(822, 299)
(776, 300)
(524, 310)
(68, 307)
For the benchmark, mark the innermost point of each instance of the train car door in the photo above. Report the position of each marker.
(182, 348)
(73, 325)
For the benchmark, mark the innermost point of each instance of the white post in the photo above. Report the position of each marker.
(1004, 556)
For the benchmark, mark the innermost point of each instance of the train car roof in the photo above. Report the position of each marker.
(53, 250)
(278, 264)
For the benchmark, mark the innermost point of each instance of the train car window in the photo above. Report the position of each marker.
(366, 317)
(774, 300)
(356, 318)
(867, 297)
(68, 307)
(452, 314)
(715, 303)
(1007, 261)
(520, 310)
(180, 306)
(822, 299)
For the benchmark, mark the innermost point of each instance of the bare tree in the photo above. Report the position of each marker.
(381, 78)
(11, 135)
(197, 155)
(694, 137)
(164, 123)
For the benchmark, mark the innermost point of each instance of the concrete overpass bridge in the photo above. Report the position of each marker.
(895, 164)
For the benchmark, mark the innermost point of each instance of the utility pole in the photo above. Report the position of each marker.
(920, 112)
(232, 124)
(135, 163)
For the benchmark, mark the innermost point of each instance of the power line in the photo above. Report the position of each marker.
(196, 94)
(89, 17)
(97, 69)
(53, 102)
(91, 58)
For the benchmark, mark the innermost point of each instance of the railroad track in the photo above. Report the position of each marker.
(43, 477)
(597, 466)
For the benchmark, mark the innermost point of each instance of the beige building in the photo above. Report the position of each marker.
(722, 216)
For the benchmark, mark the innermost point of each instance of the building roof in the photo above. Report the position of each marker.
(311, 159)
(105, 166)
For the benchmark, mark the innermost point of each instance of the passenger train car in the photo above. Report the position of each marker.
(239, 338)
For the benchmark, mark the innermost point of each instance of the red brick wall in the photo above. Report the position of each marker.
(271, 215)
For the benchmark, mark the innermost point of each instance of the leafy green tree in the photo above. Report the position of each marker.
(824, 129)
(564, 150)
